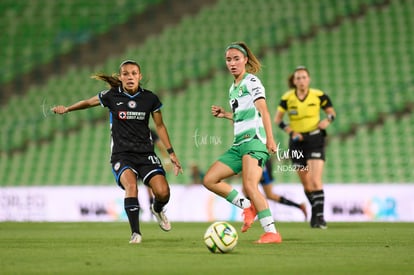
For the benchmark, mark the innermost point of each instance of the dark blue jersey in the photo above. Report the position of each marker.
(129, 119)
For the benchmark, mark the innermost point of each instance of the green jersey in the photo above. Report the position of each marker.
(248, 123)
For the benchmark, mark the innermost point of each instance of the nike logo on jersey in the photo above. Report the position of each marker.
(119, 103)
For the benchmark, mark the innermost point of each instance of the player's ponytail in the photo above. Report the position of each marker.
(291, 84)
(112, 80)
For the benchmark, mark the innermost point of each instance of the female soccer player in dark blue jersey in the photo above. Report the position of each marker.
(132, 147)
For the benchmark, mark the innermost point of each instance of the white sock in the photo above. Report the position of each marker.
(241, 202)
(238, 200)
(268, 224)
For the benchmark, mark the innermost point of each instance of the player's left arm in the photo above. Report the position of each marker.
(165, 139)
(329, 110)
(261, 106)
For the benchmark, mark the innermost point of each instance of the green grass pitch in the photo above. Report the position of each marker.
(103, 248)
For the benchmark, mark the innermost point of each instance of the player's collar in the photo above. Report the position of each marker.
(121, 90)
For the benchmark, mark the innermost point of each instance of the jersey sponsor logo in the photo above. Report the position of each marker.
(257, 91)
(246, 136)
(234, 104)
(131, 115)
(132, 104)
(122, 115)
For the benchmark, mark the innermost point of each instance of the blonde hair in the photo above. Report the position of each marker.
(253, 65)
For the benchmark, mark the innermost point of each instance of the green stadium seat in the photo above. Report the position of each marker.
(355, 63)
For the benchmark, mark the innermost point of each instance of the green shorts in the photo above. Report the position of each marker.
(233, 156)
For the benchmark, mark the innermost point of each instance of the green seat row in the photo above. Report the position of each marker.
(355, 84)
(35, 32)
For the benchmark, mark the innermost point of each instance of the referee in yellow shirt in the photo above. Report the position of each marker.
(307, 134)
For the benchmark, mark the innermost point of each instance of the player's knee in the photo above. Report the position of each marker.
(165, 191)
(161, 191)
(164, 196)
(130, 187)
(209, 180)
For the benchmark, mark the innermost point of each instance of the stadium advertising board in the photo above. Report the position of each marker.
(347, 202)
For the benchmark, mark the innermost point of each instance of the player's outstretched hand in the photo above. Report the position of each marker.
(60, 109)
(217, 111)
(177, 166)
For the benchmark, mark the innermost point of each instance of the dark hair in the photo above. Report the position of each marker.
(113, 79)
(291, 77)
(129, 61)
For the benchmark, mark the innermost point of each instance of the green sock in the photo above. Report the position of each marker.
(238, 200)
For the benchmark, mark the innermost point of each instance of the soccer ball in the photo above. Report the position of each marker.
(220, 237)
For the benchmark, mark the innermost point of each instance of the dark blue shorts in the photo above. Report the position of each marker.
(267, 176)
(145, 166)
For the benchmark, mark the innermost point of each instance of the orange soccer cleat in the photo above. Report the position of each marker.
(249, 214)
(270, 237)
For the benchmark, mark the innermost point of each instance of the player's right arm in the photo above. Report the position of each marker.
(83, 104)
(219, 112)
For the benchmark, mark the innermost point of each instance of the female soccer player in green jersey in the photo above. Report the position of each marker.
(253, 141)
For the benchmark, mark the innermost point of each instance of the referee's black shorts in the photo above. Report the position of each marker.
(311, 147)
(145, 166)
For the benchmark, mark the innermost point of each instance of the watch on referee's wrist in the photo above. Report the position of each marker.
(170, 150)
